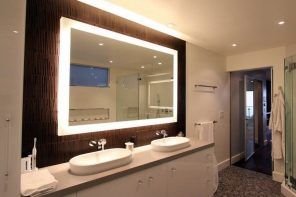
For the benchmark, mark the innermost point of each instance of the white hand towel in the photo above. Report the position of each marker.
(37, 182)
(206, 131)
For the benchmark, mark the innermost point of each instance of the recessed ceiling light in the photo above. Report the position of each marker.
(281, 22)
(111, 61)
(171, 25)
(159, 63)
(101, 44)
(142, 66)
(234, 45)
(154, 56)
(15, 32)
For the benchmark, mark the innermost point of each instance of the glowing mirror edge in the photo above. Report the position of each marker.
(64, 83)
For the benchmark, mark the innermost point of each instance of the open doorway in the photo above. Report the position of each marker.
(250, 111)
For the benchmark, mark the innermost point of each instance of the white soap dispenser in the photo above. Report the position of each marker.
(34, 155)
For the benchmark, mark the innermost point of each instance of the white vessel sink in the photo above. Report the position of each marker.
(95, 162)
(170, 144)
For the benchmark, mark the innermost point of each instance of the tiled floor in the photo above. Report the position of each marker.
(238, 182)
(259, 162)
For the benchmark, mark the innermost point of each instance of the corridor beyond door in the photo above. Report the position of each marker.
(250, 110)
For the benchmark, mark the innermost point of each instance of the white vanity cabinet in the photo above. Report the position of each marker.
(150, 182)
(189, 176)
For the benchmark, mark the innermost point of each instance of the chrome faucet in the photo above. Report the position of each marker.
(100, 143)
(162, 132)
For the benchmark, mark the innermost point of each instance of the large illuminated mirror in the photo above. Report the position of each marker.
(110, 81)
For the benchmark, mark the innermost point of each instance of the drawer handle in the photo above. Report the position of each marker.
(150, 178)
(140, 182)
(173, 169)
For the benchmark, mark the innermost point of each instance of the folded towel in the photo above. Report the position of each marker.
(37, 182)
(206, 131)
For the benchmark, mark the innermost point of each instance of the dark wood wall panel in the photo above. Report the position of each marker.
(40, 80)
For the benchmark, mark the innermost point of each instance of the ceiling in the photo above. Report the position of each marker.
(217, 24)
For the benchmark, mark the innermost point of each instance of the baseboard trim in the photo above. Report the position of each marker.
(223, 164)
(286, 191)
(237, 157)
(277, 176)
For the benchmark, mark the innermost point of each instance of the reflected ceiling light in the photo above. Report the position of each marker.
(154, 56)
(15, 32)
(159, 63)
(111, 61)
(142, 66)
(101, 44)
(171, 25)
(234, 45)
(281, 22)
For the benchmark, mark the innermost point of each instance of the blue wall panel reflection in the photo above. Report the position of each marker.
(81, 75)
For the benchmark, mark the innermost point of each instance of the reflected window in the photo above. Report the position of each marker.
(88, 76)
(250, 104)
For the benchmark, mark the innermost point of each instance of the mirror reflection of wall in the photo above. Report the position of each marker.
(113, 81)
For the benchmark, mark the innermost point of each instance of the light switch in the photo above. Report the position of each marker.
(221, 115)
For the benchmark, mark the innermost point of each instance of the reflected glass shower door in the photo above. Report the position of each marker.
(249, 117)
(127, 99)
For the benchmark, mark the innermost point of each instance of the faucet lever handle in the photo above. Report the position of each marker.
(92, 143)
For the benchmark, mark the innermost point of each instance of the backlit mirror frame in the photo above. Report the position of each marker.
(64, 80)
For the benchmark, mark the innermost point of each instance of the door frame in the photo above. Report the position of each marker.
(230, 122)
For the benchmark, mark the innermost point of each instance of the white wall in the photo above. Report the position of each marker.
(208, 67)
(259, 59)
(12, 17)
(94, 97)
(291, 50)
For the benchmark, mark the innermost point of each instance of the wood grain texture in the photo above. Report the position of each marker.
(40, 80)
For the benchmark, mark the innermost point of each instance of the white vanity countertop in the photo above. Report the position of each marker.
(143, 157)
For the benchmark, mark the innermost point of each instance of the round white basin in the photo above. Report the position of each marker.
(170, 144)
(95, 162)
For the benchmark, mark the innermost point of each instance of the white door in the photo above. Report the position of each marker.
(191, 175)
(249, 117)
(156, 179)
(131, 185)
(145, 183)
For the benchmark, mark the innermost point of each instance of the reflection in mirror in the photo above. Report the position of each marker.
(111, 81)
